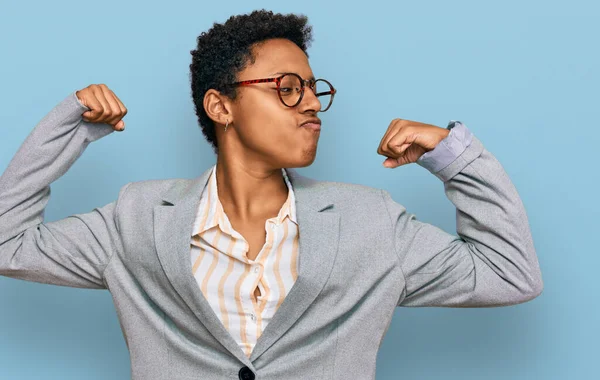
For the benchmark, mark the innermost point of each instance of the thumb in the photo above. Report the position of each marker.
(87, 115)
(395, 162)
(120, 125)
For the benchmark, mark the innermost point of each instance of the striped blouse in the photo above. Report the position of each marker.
(228, 279)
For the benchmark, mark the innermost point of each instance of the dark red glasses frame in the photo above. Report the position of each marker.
(312, 83)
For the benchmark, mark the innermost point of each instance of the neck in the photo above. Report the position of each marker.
(249, 190)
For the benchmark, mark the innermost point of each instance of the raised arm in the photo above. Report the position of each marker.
(73, 251)
(492, 261)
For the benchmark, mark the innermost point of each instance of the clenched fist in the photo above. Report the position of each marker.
(406, 140)
(105, 106)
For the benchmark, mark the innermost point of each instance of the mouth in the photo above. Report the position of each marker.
(314, 124)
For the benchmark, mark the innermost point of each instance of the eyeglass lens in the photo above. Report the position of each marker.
(290, 90)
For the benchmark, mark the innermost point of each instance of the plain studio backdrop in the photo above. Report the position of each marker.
(523, 77)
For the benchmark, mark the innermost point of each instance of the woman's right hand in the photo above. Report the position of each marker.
(105, 106)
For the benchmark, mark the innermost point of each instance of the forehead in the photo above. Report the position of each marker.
(277, 56)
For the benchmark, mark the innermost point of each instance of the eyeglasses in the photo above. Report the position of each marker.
(290, 89)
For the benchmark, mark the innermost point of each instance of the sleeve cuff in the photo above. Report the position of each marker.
(448, 149)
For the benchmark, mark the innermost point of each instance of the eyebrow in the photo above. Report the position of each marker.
(312, 77)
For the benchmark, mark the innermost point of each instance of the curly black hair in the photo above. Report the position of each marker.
(225, 49)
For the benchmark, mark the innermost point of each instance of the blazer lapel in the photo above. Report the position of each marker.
(318, 242)
(173, 223)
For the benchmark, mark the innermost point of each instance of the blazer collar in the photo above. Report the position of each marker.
(313, 192)
(319, 232)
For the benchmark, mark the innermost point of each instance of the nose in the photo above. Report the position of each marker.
(309, 102)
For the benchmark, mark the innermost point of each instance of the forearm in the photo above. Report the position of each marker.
(492, 220)
(45, 155)
(48, 253)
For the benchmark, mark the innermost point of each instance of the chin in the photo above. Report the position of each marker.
(303, 160)
(303, 157)
(307, 157)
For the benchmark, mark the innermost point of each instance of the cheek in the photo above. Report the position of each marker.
(266, 120)
(269, 127)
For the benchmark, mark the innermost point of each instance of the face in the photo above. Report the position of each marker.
(265, 128)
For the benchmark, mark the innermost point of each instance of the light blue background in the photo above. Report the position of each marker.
(523, 76)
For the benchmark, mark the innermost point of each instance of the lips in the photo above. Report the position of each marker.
(314, 124)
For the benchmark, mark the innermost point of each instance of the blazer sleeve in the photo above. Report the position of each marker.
(70, 252)
(492, 260)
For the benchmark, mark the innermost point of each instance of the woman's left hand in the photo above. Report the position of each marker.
(405, 141)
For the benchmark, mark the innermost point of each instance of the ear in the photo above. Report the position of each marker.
(218, 107)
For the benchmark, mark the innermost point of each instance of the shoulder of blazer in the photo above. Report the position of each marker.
(152, 191)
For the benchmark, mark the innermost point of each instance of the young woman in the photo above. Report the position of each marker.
(252, 270)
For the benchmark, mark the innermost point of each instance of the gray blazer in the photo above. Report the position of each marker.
(361, 255)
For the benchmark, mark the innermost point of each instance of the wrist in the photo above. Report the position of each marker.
(458, 138)
(443, 134)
